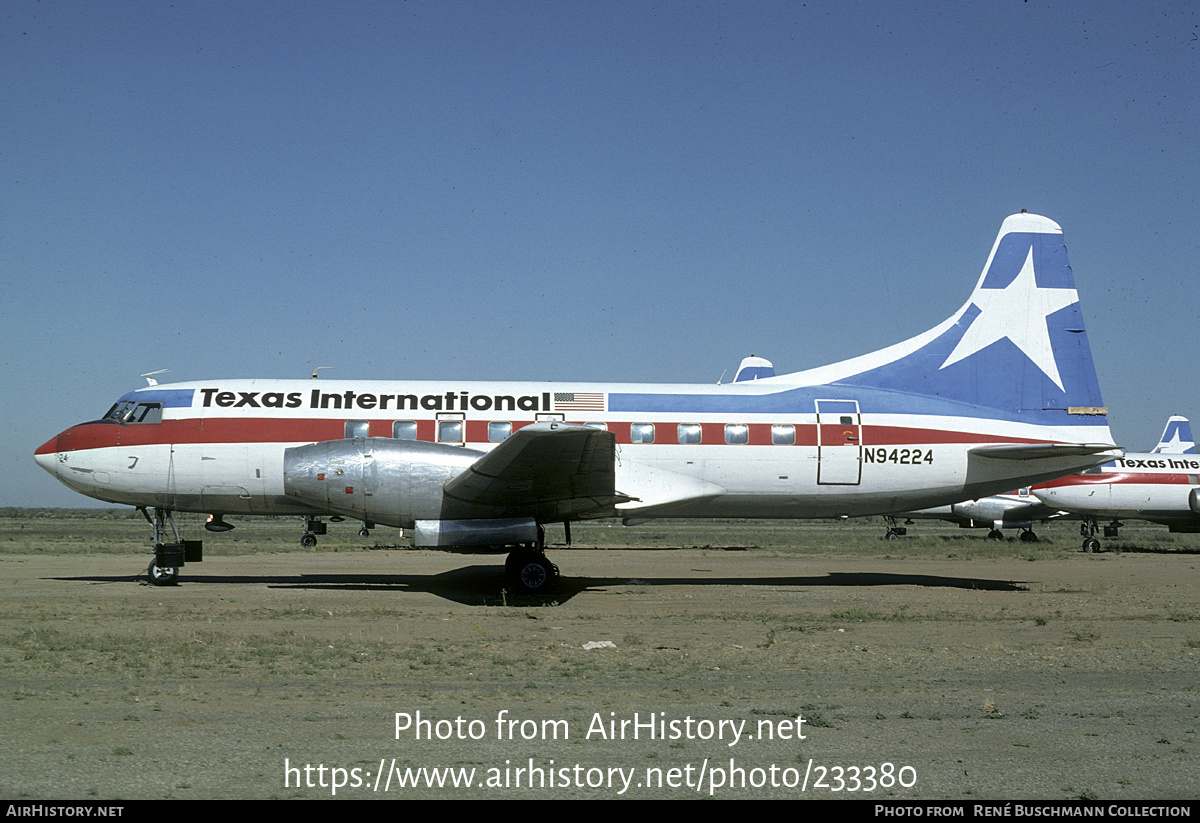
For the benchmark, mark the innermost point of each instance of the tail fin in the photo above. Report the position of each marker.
(1176, 437)
(754, 368)
(1017, 348)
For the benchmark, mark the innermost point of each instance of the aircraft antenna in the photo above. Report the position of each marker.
(317, 369)
(150, 376)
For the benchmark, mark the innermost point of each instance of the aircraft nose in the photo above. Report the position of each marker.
(47, 455)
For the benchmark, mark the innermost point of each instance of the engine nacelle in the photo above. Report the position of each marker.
(990, 512)
(376, 479)
(496, 532)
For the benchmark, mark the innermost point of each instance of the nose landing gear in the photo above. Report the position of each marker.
(170, 552)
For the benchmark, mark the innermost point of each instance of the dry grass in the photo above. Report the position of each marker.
(116, 531)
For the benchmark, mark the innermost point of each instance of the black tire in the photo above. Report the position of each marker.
(530, 573)
(162, 575)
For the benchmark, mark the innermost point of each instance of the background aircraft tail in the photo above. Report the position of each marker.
(1017, 348)
(754, 368)
(1176, 437)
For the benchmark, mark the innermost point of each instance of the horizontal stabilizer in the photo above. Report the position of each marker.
(1045, 451)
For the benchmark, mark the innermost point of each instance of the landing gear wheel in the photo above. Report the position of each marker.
(530, 573)
(1028, 536)
(890, 535)
(308, 541)
(162, 575)
(1091, 545)
(995, 534)
(364, 532)
(534, 574)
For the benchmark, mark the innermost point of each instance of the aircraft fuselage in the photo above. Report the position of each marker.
(1161, 488)
(757, 450)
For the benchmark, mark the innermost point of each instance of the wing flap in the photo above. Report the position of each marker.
(550, 471)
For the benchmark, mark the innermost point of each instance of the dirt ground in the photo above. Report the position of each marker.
(723, 671)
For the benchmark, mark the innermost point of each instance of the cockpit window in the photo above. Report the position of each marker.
(118, 411)
(145, 413)
(129, 411)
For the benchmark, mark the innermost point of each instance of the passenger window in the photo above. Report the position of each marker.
(498, 432)
(450, 431)
(783, 435)
(641, 433)
(357, 428)
(601, 426)
(1094, 470)
(689, 433)
(737, 434)
(404, 429)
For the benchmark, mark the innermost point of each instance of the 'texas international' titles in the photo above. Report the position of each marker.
(368, 401)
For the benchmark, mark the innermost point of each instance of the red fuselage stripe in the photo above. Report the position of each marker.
(1118, 477)
(305, 430)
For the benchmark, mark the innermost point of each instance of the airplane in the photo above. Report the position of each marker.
(1001, 394)
(1161, 486)
(1018, 509)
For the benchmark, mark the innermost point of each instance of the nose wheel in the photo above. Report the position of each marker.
(313, 526)
(1090, 527)
(170, 551)
(162, 575)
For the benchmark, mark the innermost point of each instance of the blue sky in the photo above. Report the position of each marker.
(573, 190)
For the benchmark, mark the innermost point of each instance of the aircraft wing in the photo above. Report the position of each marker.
(1041, 451)
(551, 471)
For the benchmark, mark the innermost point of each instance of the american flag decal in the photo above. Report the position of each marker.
(579, 401)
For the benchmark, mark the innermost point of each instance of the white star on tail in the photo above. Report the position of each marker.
(1018, 311)
(1173, 444)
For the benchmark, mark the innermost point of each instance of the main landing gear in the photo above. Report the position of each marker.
(169, 554)
(1088, 529)
(315, 527)
(1027, 535)
(528, 570)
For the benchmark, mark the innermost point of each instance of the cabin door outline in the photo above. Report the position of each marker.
(839, 443)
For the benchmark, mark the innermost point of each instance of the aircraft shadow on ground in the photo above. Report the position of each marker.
(484, 585)
(1132, 549)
